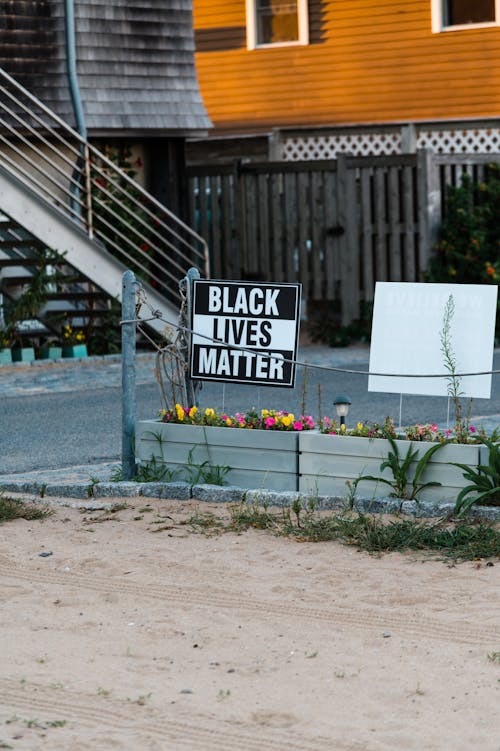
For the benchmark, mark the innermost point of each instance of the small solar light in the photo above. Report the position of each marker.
(342, 404)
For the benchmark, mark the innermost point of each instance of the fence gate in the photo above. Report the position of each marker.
(336, 226)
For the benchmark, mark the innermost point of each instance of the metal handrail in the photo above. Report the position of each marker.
(80, 181)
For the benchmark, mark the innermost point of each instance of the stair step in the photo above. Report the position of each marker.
(15, 281)
(77, 296)
(15, 243)
(5, 262)
(83, 313)
(7, 225)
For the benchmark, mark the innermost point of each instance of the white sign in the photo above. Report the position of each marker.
(406, 329)
(262, 320)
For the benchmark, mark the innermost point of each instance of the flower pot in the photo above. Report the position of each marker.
(256, 458)
(75, 350)
(5, 356)
(23, 354)
(326, 462)
(50, 353)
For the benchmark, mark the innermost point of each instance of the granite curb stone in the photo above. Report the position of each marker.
(89, 490)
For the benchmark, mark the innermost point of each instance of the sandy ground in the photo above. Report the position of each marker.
(137, 634)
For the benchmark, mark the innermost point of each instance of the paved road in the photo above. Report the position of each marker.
(63, 414)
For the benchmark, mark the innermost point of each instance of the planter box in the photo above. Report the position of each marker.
(257, 458)
(75, 350)
(326, 462)
(50, 353)
(5, 357)
(23, 354)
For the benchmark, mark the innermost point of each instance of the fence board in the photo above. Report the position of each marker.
(303, 227)
(380, 225)
(367, 233)
(408, 247)
(262, 200)
(317, 233)
(290, 267)
(332, 261)
(226, 218)
(277, 226)
(394, 228)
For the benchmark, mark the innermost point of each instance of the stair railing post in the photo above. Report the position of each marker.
(128, 375)
(88, 189)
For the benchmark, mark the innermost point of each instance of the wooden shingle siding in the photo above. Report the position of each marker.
(376, 62)
(135, 62)
(32, 50)
(136, 66)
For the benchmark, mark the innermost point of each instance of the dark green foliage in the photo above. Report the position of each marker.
(469, 248)
(372, 533)
(485, 482)
(400, 467)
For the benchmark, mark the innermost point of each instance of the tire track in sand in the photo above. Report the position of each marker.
(410, 624)
(202, 735)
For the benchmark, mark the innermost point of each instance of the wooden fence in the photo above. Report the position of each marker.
(336, 226)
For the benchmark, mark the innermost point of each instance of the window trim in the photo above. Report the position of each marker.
(437, 9)
(303, 21)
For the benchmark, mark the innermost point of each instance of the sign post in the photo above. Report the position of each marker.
(245, 332)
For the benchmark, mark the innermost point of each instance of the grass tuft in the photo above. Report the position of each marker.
(456, 540)
(13, 508)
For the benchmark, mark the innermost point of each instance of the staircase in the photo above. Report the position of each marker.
(67, 209)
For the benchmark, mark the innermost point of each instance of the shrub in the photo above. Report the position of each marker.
(468, 249)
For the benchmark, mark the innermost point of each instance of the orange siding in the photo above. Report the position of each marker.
(379, 62)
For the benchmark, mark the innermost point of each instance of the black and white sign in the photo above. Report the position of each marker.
(261, 318)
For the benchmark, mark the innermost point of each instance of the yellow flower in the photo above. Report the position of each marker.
(264, 413)
(180, 412)
(287, 420)
(342, 428)
(228, 421)
(360, 426)
(193, 411)
(209, 412)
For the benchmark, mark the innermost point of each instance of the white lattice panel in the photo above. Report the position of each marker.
(465, 141)
(328, 146)
(469, 141)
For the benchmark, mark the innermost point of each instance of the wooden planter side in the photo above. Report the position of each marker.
(257, 458)
(326, 463)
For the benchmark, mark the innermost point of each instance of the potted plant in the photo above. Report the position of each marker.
(73, 342)
(23, 349)
(5, 352)
(51, 349)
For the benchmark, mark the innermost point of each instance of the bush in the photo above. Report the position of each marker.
(468, 251)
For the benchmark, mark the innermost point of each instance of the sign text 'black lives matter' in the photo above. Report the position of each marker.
(261, 319)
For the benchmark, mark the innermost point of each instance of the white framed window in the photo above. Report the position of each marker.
(456, 15)
(272, 23)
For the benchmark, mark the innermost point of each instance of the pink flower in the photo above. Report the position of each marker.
(433, 427)
(472, 429)
(448, 432)
(297, 425)
(270, 421)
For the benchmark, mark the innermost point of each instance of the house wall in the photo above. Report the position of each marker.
(367, 62)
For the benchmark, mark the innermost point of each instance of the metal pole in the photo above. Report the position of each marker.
(191, 386)
(128, 376)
